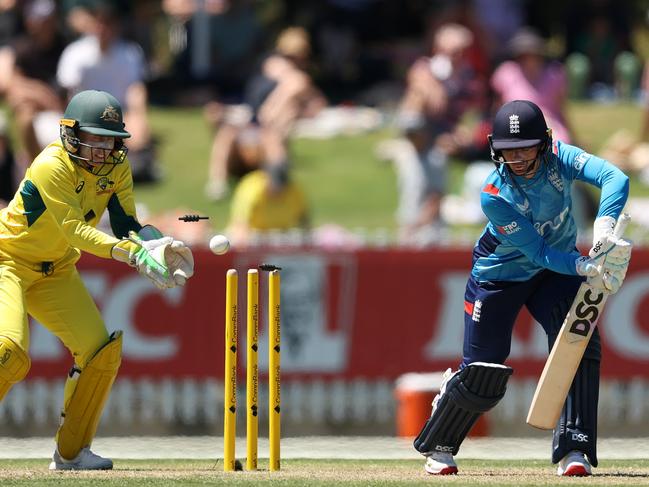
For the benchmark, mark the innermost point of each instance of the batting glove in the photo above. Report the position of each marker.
(603, 239)
(607, 274)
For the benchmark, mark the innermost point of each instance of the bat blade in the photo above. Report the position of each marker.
(568, 350)
(564, 359)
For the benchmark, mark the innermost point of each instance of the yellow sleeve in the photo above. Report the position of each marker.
(54, 181)
(121, 205)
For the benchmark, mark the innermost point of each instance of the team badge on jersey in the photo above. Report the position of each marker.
(555, 179)
(104, 185)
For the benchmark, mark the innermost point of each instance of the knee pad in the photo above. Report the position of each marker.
(577, 426)
(14, 364)
(82, 412)
(463, 397)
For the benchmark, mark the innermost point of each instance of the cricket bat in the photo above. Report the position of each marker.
(565, 357)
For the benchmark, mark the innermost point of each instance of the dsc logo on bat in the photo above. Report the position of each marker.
(587, 313)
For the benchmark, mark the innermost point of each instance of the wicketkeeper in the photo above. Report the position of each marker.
(49, 222)
(526, 256)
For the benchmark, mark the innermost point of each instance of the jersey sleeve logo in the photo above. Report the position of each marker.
(491, 189)
(581, 159)
(509, 229)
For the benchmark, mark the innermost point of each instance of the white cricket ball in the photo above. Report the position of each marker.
(219, 244)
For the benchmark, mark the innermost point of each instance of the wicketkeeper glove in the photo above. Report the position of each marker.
(148, 256)
(180, 261)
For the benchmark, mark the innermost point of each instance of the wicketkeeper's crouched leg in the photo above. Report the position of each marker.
(86, 393)
(577, 426)
(463, 397)
(14, 364)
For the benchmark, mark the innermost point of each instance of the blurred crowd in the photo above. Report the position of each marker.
(266, 71)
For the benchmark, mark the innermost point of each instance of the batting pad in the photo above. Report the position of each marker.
(463, 398)
(83, 410)
(14, 364)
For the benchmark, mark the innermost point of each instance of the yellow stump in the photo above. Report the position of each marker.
(230, 416)
(274, 368)
(252, 377)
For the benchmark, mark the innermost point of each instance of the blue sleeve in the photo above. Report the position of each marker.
(614, 184)
(515, 230)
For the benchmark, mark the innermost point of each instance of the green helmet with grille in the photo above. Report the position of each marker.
(98, 113)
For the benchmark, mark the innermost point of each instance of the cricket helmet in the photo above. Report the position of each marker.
(519, 124)
(98, 113)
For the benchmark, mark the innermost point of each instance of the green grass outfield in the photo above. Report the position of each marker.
(320, 473)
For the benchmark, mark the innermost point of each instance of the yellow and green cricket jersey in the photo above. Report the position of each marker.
(53, 215)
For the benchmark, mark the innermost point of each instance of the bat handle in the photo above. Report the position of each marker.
(621, 225)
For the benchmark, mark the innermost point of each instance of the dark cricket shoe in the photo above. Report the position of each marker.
(85, 460)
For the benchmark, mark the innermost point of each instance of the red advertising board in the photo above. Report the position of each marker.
(346, 314)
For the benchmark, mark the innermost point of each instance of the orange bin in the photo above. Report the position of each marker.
(415, 393)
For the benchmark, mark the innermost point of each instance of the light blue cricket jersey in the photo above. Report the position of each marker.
(530, 220)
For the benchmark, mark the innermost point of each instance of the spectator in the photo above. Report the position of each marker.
(103, 60)
(9, 21)
(644, 134)
(600, 62)
(78, 17)
(499, 20)
(440, 90)
(28, 77)
(256, 134)
(212, 49)
(266, 200)
(530, 75)
(10, 172)
(628, 150)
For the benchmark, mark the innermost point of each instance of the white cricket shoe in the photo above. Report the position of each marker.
(85, 460)
(574, 464)
(440, 464)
